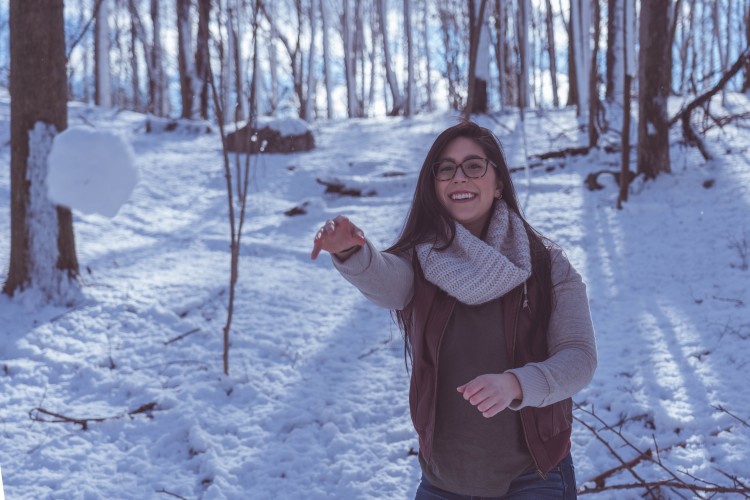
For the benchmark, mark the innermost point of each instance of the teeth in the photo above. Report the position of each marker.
(462, 196)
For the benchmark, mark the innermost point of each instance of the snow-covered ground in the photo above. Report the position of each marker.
(315, 406)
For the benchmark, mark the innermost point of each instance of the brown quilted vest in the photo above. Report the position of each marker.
(547, 430)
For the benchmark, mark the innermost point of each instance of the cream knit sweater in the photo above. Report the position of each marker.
(387, 280)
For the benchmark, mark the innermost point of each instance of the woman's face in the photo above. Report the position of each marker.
(468, 200)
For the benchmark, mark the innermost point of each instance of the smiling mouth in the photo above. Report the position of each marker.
(462, 196)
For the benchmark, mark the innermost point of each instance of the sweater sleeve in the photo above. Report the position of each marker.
(570, 342)
(385, 279)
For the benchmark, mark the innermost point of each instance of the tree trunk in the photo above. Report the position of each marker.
(327, 60)
(524, 13)
(594, 81)
(580, 23)
(482, 68)
(551, 54)
(184, 58)
(654, 70)
(572, 76)
(201, 55)
(628, 67)
(134, 73)
(42, 246)
(615, 51)
(390, 76)
(349, 69)
(311, 60)
(476, 20)
(746, 82)
(409, 104)
(359, 51)
(427, 47)
(102, 70)
(157, 88)
(501, 15)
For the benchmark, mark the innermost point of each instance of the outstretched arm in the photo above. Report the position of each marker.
(385, 279)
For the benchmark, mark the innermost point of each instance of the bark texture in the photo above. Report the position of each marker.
(38, 87)
(654, 75)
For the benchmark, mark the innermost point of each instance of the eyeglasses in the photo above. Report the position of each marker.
(472, 168)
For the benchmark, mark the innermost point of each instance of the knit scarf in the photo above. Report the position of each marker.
(476, 271)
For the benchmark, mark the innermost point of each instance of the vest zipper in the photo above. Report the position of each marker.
(434, 390)
(525, 297)
(525, 305)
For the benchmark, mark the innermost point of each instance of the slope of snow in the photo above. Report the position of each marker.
(316, 405)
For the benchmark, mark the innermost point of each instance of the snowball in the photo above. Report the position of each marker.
(91, 170)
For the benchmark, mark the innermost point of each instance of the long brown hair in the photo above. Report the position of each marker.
(429, 222)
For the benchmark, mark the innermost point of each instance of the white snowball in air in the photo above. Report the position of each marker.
(91, 170)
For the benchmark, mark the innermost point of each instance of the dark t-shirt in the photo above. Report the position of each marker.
(474, 455)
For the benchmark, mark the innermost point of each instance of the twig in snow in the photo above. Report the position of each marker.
(674, 482)
(170, 493)
(182, 336)
(724, 410)
(34, 414)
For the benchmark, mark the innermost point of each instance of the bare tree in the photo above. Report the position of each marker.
(186, 67)
(746, 82)
(157, 87)
(311, 60)
(594, 103)
(324, 13)
(580, 23)
(628, 66)
(427, 58)
(409, 107)
(42, 246)
(347, 32)
(654, 76)
(501, 49)
(476, 21)
(102, 75)
(201, 56)
(551, 53)
(390, 75)
(294, 50)
(615, 51)
(522, 32)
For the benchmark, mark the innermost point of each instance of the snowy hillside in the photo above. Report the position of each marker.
(316, 404)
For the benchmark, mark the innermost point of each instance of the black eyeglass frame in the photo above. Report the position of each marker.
(487, 163)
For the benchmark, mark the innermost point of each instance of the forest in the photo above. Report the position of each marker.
(165, 332)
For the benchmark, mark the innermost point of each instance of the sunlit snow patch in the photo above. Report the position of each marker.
(91, 170)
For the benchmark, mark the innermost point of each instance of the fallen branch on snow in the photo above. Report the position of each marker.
(698, 487)
(35, 414)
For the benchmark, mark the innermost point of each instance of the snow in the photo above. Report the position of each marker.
(285, 126)
(316, 403)
(42, 221)
(91, 170)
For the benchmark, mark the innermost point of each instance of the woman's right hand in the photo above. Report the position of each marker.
(337, 236)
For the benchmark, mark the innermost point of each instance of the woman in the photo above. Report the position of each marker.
(496, 324)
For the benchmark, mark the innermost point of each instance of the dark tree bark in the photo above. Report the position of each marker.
(551, 53)
(572, 76)
(594, 102)
(501, 50)
(201, 55)
(746, 83)
(654, 75)
(476, 19)
(157, 85)
(184, 54)
(102, 76)
(38, 88)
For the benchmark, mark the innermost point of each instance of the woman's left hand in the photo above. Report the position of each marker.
(492, 393)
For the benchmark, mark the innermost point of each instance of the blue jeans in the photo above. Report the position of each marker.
(560, 484)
